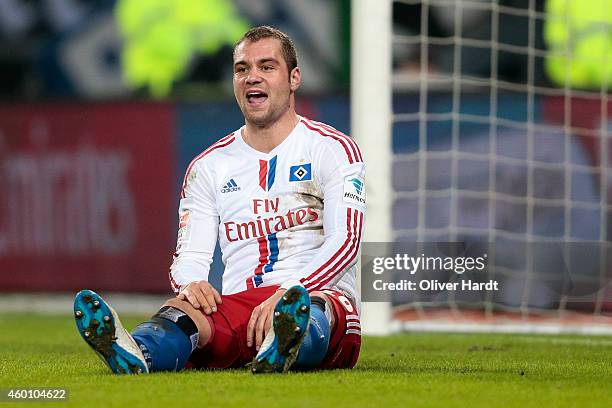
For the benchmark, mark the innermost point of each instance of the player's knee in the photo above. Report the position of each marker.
(179, 304)
(196, 315)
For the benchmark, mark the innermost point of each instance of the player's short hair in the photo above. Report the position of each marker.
(259, 33)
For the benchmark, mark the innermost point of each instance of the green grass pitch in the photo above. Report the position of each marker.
(409, 370)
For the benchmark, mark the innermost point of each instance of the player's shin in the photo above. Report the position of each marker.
(313, 349)
(167, 340)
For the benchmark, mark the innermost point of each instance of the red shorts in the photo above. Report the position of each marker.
(227, 347)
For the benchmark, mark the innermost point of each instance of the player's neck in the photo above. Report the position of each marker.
(266, 138)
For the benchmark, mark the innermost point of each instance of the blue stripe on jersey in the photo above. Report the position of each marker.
(257, 280)
(273, 257)
(271, 171)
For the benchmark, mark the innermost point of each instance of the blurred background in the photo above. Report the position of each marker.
(102, 106)
(500, 128)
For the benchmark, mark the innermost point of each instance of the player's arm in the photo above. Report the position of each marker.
(342, 178)
(197, 237)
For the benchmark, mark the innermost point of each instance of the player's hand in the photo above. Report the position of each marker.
(201, 295)
(261, 320)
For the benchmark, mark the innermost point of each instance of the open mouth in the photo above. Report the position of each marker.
(256, 98)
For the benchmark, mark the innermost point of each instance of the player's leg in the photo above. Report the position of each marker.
(332, 340)
(290, 325)
(179, 334)
(300, 335)
(171, 335)
(345, 338)
(315, 345)
(163, 343)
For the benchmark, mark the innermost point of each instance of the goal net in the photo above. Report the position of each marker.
(496, 134)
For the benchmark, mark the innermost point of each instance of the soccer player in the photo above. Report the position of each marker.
(285, 197)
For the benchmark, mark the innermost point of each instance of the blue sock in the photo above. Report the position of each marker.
(313, 349)
(167, 340)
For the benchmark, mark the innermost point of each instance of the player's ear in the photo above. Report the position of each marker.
(295, 78)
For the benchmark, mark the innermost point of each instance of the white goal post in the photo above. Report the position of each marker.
(371, 118)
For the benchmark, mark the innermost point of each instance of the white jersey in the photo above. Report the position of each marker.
(293, 214)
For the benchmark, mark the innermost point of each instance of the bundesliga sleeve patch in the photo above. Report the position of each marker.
(183, 229)
(189, 179)
(354, 190)
(301, 172)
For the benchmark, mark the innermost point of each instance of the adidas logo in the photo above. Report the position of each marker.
(230, 187)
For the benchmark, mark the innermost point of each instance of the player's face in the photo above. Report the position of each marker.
(262, 84)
